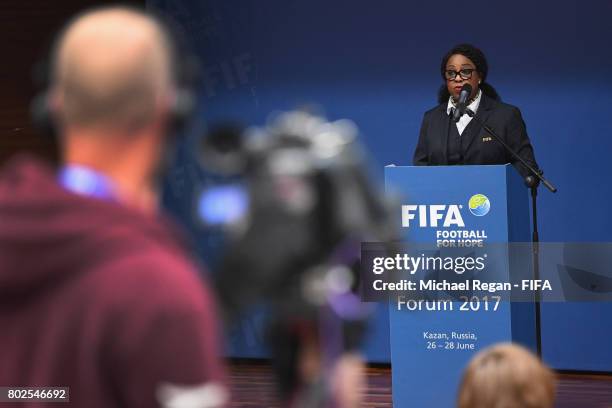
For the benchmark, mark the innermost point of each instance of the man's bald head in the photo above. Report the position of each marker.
(112, 70)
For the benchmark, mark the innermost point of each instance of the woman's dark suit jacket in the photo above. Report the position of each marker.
(475, 145)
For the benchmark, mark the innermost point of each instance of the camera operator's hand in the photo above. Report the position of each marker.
(348, 381)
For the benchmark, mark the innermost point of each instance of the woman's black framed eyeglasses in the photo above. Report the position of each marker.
(464, 73)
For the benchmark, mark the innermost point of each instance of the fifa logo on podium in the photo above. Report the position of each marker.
(429, 215)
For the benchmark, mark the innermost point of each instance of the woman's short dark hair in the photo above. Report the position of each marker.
(478, 58)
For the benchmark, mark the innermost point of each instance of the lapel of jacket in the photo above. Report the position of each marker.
(473, 128)
(446, 121)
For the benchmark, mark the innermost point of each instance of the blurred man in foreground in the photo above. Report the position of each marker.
(507, 376)
(96, 290)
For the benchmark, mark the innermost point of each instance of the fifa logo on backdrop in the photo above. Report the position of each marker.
(442, 215)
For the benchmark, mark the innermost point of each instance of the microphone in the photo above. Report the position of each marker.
(464, 95)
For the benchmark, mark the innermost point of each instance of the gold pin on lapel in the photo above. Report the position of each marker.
(487, 139)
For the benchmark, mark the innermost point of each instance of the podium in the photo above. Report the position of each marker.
(430, 348)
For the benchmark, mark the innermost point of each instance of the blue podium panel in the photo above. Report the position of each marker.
(431, 341)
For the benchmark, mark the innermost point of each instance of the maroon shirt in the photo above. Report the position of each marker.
(96, 297)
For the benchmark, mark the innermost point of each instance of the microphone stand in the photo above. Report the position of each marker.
(532, 182)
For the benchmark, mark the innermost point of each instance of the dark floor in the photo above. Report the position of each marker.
(252, 386)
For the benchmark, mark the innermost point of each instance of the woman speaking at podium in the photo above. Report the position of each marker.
(444, 142)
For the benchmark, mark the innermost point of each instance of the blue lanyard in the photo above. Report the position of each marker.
(85, 181)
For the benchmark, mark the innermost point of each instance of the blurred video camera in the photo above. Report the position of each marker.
(296, 220)
(294, 226)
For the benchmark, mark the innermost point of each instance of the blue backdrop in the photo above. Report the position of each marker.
(378, 64)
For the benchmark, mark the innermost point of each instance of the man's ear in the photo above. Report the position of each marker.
(45, 111)
(164, 104)
(55, 103)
